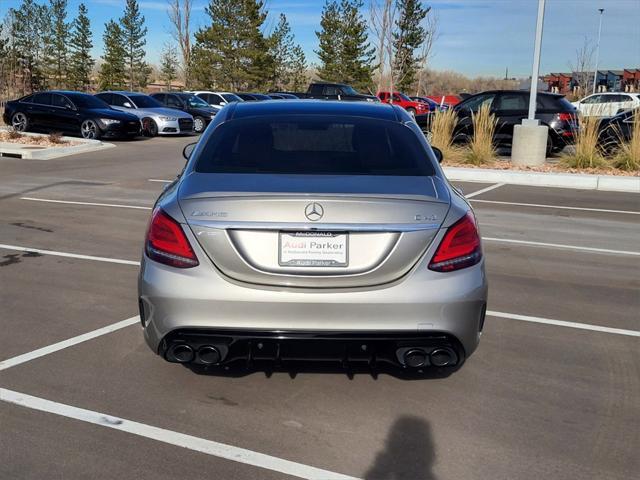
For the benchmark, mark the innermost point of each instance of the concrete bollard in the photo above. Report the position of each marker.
(529, 147)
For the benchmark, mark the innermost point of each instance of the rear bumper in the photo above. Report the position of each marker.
(201, 300)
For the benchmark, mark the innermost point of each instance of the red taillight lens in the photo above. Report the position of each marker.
(166, 242)
(565, 117)
(460, 247)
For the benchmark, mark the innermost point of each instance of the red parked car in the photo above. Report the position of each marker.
(414, 108)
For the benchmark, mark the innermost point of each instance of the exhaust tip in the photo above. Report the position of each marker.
(182, 353)
(416, 357)
(442, 357)
(209, 355)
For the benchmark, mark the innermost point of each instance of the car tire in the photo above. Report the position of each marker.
(199, 124)
(90, 130)
(412, 112)
(20, 122)
(149, 127)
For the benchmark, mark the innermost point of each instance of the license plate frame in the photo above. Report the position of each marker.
(338, 259)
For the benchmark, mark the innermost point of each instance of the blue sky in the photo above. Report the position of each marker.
(477, 37)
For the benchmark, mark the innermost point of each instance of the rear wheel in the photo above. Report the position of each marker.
(89, 130)
(199, 124)
(20, 122)
(149, 127)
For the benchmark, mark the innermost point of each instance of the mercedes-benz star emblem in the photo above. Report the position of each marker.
(314, 211)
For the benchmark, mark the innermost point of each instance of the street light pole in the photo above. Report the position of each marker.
(529, 144)
(536, 64)
(595, 74)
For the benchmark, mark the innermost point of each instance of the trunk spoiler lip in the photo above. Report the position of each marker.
(322, 227)
(311, 195)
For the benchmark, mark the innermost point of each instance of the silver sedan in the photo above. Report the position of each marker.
(156, 119)
(303, 230)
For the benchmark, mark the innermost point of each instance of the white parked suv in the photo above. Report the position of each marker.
(607, 104)
(217, 99)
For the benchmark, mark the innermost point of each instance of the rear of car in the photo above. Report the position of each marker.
(414, 107)
(510, 107)
(313, 231)
(607, 104)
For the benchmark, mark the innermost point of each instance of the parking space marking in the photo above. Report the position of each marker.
(562, 323)
(68, 255)
(559, 207)
(561, 246)
(159, 181)
(94, 204)
(485, 190)
(197, 444)
(56, 347)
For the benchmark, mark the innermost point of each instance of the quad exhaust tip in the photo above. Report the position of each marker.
(183, 353)
(209, 355)
(439, 357)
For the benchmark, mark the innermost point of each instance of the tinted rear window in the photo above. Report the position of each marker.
(311, 145)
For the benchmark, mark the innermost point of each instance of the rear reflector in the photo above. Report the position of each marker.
(166, 242)
(460, 247)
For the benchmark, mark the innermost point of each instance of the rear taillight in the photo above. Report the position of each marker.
(566, 117)
(460, 247)
(166, 242)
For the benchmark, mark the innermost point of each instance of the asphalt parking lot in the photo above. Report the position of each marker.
(552, 392)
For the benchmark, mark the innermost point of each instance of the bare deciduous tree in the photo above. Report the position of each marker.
(583, 66)
(180, 17)
(382, 20)
(431, 27)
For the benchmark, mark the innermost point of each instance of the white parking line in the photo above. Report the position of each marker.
(159, 181)
(484, 190)
(561, 246)
(41, 352)
(69, 255)
(559, 207)
(562, 323)
(197, 444)
(94, 204)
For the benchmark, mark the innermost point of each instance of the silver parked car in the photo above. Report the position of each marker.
(313, 230)
(156, 119)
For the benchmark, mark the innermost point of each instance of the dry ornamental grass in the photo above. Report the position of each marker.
(628, 155)
(481, 148)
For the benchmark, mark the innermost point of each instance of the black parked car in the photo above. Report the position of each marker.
(200, 110)
(615, 130)
(253, 97)
(512, 106)
(337, 91)
(70, 112)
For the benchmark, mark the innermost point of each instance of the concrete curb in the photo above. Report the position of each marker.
(611, 183)
(28, 152)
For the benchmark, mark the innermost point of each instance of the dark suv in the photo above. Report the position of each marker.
(200, 110)
(510, 107)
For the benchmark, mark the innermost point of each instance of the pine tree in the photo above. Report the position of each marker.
(30, 27)
(298, 76)
(330, 40)
(169, 65)
(232, 52)
(133, 35)
(357, 55)
(407, 38)
(80, 44)
(113, 69)
(56, 39)
(345, 52)
(288, 58)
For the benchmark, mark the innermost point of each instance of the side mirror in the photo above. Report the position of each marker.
(223, 103)
(438, 153)
(188, 150)
(127, 104)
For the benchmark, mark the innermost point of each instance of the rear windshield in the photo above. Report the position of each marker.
(315, 145)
